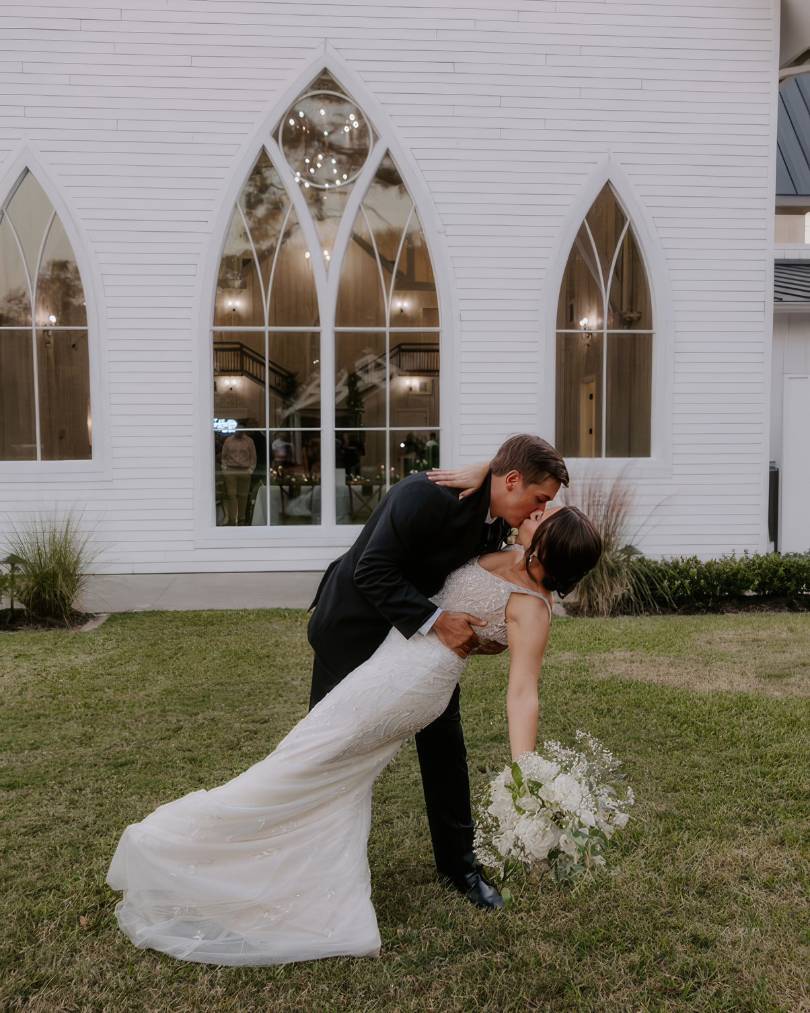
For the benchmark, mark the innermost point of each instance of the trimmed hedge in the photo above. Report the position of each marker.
(687, 583)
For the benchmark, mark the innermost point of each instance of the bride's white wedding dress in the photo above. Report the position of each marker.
(271, 867)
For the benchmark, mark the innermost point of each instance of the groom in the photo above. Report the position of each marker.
(418, 534)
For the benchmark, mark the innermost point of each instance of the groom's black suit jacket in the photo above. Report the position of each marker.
(418, 534)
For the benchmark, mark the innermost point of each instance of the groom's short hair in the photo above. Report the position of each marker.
(533, 457)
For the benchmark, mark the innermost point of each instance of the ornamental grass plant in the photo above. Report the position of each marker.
(53, 572)
(614, 584)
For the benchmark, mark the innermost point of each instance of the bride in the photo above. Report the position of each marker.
(271, 867)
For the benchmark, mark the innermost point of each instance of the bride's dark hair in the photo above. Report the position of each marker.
(567, 545)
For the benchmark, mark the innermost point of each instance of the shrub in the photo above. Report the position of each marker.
(54, 567)
(688, 583)
(785, 576)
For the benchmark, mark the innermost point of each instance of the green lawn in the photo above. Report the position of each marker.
(703, 908)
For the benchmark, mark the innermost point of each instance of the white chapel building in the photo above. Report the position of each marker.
(260, 260)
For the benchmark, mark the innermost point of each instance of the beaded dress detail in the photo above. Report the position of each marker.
(271, 867)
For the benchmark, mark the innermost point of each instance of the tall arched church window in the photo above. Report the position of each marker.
(604, 340)
(44, 367)
(379, 409)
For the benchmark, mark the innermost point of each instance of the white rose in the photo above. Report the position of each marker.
(568, 845)
(530, 804)
(568, 791)
(505, 843)
(537, 837)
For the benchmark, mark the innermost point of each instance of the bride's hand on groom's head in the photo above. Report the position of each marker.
(469, 478)
(455, 630)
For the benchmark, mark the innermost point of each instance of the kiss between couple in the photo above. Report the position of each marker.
(272, 867)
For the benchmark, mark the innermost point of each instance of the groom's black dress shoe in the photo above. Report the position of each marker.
(475, 888)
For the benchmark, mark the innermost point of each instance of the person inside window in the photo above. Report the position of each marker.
(238, 462)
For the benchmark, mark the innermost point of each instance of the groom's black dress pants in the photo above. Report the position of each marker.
(445, 780)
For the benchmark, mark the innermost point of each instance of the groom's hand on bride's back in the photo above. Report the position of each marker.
(456, 630)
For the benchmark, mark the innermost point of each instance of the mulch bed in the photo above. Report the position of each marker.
(749, 603)
(767, 605)
(20, 620)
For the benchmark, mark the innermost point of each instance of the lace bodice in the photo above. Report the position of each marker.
(473, 589)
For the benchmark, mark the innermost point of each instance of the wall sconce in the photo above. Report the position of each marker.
(587, 334)
(402, 305)
(232, 304)
(51, 318)
(630, 317)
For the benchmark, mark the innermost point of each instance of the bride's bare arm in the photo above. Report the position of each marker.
(527, 626)
(468, 479)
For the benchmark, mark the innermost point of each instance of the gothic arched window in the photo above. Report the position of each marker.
(604, 340)
(44, 367)
(371, 310)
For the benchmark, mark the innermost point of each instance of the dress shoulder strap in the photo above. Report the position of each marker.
(527, 590)
(537, 594)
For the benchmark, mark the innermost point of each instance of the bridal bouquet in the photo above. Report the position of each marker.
(554, 810)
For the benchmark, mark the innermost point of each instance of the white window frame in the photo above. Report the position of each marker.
(28, 157)
(328, 533)
(659, 462)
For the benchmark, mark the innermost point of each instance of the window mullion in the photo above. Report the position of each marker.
(268, 429)
(387, 401)
(328, 435)
(604, 389)
(34, 331)
(37, 425)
